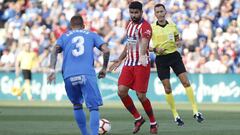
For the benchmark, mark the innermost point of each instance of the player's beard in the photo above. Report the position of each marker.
(136, 20)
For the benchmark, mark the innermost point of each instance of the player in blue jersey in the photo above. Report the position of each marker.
(78, 71)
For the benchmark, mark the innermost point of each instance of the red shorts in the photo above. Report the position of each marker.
(135, 77)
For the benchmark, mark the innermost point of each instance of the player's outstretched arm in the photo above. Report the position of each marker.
(51, 76)
(116, 63)
(106, 54)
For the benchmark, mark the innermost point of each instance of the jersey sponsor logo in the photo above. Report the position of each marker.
(132, 42)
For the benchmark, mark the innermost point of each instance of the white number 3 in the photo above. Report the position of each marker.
(79, 50)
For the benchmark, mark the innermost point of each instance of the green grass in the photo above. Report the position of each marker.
(56, 118)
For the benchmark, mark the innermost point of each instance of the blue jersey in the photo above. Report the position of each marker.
(77, 46)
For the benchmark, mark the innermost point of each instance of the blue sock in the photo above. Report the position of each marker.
(80, 118)
(94, 121)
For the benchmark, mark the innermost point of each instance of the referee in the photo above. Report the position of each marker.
(165, 39)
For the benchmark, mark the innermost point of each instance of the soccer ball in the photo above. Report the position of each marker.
(104, 126)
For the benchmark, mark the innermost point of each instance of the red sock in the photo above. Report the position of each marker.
(128, 103)
(148, 109)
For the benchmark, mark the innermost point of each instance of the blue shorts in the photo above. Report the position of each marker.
(82, 88)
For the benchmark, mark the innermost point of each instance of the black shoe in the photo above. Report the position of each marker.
(137, 125)
(199, 117)
(179, 121)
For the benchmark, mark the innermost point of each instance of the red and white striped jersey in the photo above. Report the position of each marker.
(135, 32)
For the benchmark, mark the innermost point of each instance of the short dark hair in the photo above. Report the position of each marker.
(76, 20)
(160, 5)
(135, 5)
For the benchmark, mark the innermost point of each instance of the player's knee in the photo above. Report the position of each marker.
(77, 106)
(122, 94)
(168, 91)
(167, 88)
(141, 97)
(94, 109)
(186, 84)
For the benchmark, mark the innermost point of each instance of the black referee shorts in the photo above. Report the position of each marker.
(27, 74)
(164, 62)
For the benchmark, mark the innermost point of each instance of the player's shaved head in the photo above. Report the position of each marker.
(77, 21)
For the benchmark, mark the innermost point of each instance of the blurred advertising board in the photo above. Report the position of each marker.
(212, 88)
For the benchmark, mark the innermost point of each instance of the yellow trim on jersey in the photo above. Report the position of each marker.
(164, 37)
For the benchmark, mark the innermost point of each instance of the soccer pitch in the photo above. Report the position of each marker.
(56, 118)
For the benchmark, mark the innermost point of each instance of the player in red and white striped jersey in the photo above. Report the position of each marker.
(135, 33)
(136, 70)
